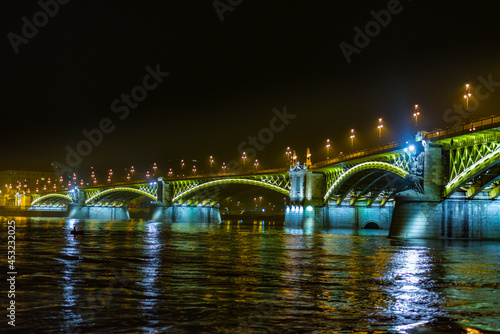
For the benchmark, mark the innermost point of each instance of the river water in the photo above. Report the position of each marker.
(246, 277)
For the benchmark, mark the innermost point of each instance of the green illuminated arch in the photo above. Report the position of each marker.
(202, 186)
(102, 194)
(472, 171)
(45, 197)
(361, 167)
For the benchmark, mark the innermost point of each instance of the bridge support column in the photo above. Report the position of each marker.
(185, 214)
(411, 217)
(98, 212)
(429, 216)
(306, 197)
(358, 216)
(76, 208)
(452, 218)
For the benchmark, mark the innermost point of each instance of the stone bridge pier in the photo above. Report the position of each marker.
(164, 210)
(429, 215)
(77, 209)
(307, 207)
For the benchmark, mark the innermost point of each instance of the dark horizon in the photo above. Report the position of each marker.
(226, 77)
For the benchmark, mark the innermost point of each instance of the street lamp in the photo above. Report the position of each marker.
(352, 137)
(466, 97)
(416, 113)
(211, 161)
(288, 152)
(327, 149)
(379, 127)
(244, 158)
(256, 164)
(224, 167)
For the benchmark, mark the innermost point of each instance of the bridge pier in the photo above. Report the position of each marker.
(451, 218)
(429, 216)
(358, 216)
(97, 212)
(185, 214)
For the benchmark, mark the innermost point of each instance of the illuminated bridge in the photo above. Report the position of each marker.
(444, 184)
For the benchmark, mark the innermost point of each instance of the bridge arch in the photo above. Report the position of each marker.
(52, 198)
(372, 168)
(118, 194)
(480, 167)
(225, 182)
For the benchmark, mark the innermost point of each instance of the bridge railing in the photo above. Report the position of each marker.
(481, 124)
(380, 149)
(220, 174)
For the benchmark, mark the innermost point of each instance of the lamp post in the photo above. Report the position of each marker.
(244, 158)
(288, 152)
(224, 167)
(379, 127)
(211, 161)
(466, 97)
(327, 149)
(416, 113)
(352, 137)
(256, 164)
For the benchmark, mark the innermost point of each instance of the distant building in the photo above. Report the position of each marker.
(14, 182)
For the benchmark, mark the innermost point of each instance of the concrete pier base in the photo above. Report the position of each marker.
(449, 219)
(96, 212)
(358, 216)
(344, 216)
(186, 214)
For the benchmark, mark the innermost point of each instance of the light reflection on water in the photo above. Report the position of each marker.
(257, 276)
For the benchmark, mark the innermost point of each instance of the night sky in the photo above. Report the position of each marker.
(226, 77)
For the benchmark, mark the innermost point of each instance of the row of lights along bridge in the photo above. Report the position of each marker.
(184, 169)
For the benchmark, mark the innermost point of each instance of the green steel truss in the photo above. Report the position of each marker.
(182, 190)
(398, 158)
(474, 166)
(339, 176)
(118, 196)
(55, 199)
(185, 189)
